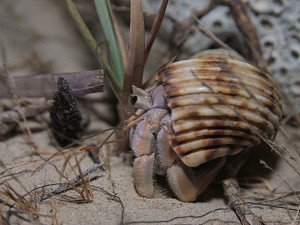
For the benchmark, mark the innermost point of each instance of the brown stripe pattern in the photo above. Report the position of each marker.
(218, 106)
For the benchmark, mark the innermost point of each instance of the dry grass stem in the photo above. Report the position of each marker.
(72, 183)
(295, 220)
(54, 219)
(209, 34)
(288, 185)
(135, 61)
(182, 29)
(48, 160)
(263, 182)
(22, 205)
(155, 28)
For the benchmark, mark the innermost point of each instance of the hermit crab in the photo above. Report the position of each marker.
(198, 112)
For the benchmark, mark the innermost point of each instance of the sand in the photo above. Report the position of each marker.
(103, 209)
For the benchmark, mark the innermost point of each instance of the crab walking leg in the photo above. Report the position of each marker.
(187, 184)
(143, 146)
(181, 177)
(182, 182)
(165, 156)
(143, 173)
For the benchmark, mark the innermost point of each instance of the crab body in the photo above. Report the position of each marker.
(199, 111)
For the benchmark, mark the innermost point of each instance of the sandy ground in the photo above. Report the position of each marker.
(105, 210)
(59, 45)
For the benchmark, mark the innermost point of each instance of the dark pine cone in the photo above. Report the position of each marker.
(65, 115)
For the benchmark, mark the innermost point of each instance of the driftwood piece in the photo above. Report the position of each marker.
(44, 85)
(232, 189)
(243, 211)
(13, 115)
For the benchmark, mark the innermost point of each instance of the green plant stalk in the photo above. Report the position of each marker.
(90, 40)
(104, 14)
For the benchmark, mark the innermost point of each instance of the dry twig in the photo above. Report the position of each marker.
(44, 85)
(72, 183)
(31, 110)
(155, 28)
(182, 29)
(232, 192)
(209, 34)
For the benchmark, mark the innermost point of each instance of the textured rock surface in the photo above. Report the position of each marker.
(278, 26)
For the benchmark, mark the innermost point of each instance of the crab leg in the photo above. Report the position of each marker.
(187, 184)
(143, 146)
(165, 154)
(143, 173)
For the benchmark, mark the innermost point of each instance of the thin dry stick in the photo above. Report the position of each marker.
(28, 111)
(86, 192)
(114, 129)
(181, 29)
(286, 135)
(262, 180)
(287, 208)
(209, 34)
(115, 197)
(264, 196)
(77, 163)
(233, 193)
(283, 200)
(155, 28)
(53, 213)
(67, 158)
(74, 181)
(21, 203)
(206, 213)
(289, 186)
(44, 85)
(93, 152)
(295, 220)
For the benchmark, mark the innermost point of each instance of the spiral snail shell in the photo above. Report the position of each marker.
(219, 105)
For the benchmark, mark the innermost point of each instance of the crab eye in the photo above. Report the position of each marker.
(133, 99)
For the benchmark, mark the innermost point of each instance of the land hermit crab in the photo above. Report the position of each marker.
(199, 111)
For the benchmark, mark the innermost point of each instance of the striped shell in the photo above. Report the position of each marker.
(220, 105)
